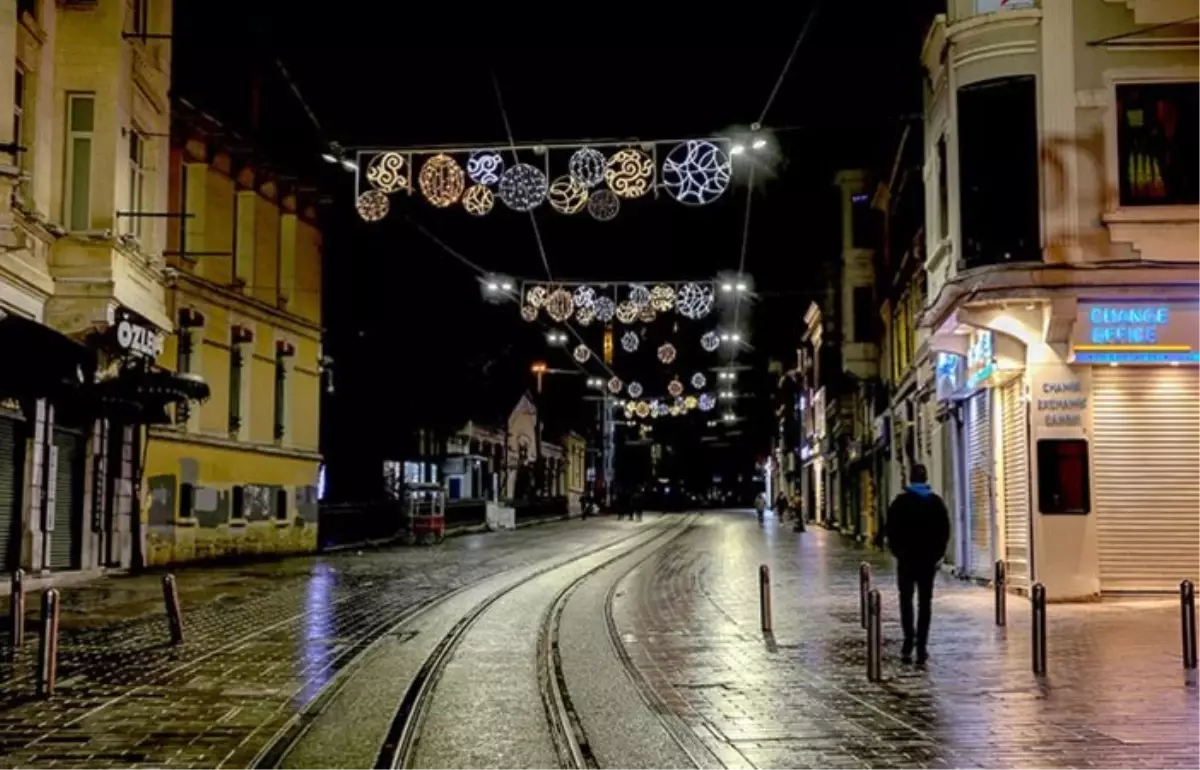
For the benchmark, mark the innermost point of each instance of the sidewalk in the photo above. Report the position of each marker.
(1115, 695)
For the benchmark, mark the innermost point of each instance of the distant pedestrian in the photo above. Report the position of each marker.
(798, 511)
(917, 530)
(760, 505)
(781, 507)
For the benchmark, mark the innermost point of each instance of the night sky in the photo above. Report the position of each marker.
(405, 322)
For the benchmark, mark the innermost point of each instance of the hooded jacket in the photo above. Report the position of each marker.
(918, 525)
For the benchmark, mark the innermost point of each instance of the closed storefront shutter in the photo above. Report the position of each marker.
(979, 483)
(1016, 483)
(11, 481)
(1146, 471)
(64, 543)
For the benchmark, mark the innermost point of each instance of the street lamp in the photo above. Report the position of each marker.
(727, 287)
(737, 149)
(759, 143)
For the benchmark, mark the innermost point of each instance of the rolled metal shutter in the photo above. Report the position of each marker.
(1016, 483)
(64, 543)
(1146, 471)
(979, 475)
(11, 480)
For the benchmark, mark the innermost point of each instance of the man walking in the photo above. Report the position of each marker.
(918, 530)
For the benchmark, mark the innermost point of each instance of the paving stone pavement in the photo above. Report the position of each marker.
(1115, 694)
(261, 642)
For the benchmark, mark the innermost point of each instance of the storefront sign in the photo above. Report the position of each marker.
(949, 375)
(1136, 333)
(1061, 404)
(981, 357)
(1127, 325)
(138, 338)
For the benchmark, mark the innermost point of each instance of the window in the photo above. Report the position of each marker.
(1063, 485)
(137, 180)
(280, 396)
(236, 363)
(864, 314)
(943, 190)
(77, 206)
(183, 365)
(1156, 143)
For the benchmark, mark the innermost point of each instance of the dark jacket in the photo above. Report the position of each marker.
(918, 525)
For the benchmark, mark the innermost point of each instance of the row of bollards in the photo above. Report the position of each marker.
(47, 661)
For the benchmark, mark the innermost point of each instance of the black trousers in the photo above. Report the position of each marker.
(918, 576)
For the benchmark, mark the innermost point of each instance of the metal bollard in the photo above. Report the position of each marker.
(1039, 629)
(1001, 586)
(48, 650)
(874, 637)
(1187, 617)
(864, 586)
(764, 596)
(16, 610)
(174, 618)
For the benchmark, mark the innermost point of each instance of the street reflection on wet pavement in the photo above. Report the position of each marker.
(1115, 695)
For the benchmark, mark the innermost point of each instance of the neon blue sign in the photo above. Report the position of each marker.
(1127, 325)
(1138, 357)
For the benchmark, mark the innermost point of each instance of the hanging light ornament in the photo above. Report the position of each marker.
(478, 200)
(372, 206)
(485, 166)
(584, 315)
(441, 180)
(635, 389)
(630, 408)
(662, 298)
(605, 309)
(522, 187)
(647, 315)
(710, 341)
(536, 296)
(627, 312)
(690, 402)
(615, 385)
(630, 341)
(675, 388)
(696, 172)
(582, 353)
(585, 296)
(699, 380)
(694, 301)
(630, 173)
(660, 409)
(587, 165)
(676, 410)
(666, 353)
(529, 313)
(603, 205)
(386, 172)
(559, 305)
(568, 195)
(639, 296)
(707, 402)
(643, 410)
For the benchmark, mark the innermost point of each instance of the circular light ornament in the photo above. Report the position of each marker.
(662, 298)
(627, 312)
(696, 172)
(615, 385)
(630, 173)
(587, 165)
(630, 341)
(635, 389)
(647, 315)
(710, 341)
(675, 388)
(478, 200)
(690, 402)
(372, 206)
(386, 172)
(699, 380)
(536, 296)
(605, 309)
(666, 353)
(630, 408)
(694, 301)
(442, 180)
(643, 410)
(585, 296)
(529, 313)
(560, 305)
(523, 187)
(568, 195)
(603, 205)
(639, 296)
(660, 409)
(707, 402)
(582, 353)
(485, 166)
(676, 410)
(584, 315)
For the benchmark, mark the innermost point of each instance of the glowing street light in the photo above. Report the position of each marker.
(493, 287)
(506, 286)
(759, 143)
(727, 287)
(737, 149)
(741, 286)
(736, 338)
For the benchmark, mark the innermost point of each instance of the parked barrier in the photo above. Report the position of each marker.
(48, 652)
(16, 611)
(1000, 583)
(864, 586)
(1039, 629)
(764, 596)
(874, 637)
(174, 616)
(1187, 618)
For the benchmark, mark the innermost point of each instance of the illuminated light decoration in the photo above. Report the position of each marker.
(585, 296)
(647, 315)
(694, 301)
(536, 296)
(615, 385)
(582, 353)
(676, 410)
(630, 173)
(666, 353)
(568, 195)
(699, 380)
(560, 305)
(675, 388)
(584, 315)
(523, 187)
(478, 200)
(386, 172)
(690, 402)
(710, 341)
(630, 341)
(627, 312)
(529, 313)
(442, 180)
(372, 206)
(608, 346)
(660, 409)
(605, 309)
(639, 296)
(696, 172)
(587, 165)
(635, 389)
(485, 166)
(630, 408)
(603, 205)
(707, 402)
(662, 298)
(643, 409)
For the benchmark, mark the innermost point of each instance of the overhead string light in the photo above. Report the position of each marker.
(662, 298)
(647, 315)
(630, 341)
(560, 305)
(666, 353)
(485, 167)
(441, 180)
(630, 173)
(694, 301)
(584, 315)
(710, 341)
(675, 388)
(615, 385)
(587, 165)
(639, 296)
(585, 296)
(627, 312)
(696, 172)
(635, 389)
(529, 313)
(568, 195)
(536, 296)
(605, 309)
(699, 380)
(372, 206)
(523, 187)
(386, 172)
(582, 353)
(603, 205)
(478, 200)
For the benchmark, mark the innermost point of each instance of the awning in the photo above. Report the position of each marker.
(40, 361)
(138, 395)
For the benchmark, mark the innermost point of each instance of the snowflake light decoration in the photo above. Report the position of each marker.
(522, 187)
(630, 341)
(485, 166)
(587, 165)
(582, 353)
(647, 315)
(690, 402)
(478, 200)
(630, 408)
(660, 409)
(603, 205)
(441, 180)
(615, 385)
(707, 402)
(605, 309)
(585, 296)
(676, 410)
(675, 388)
(630, 173)
(529, 313)
(694, 301)
(710, 341)
(372, 206)
(696, 172)
(639, 296)
(666, 353)
(584, 315)
(568, 195)
(662, 298)
(635, 389)
(536, 296)
(643, 410)
(627, 312)
(560, 305)
(699, 380)
(386, 172)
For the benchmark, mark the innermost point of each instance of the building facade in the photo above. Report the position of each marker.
(1062, 275)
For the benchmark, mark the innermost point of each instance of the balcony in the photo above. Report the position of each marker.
(960, 10)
